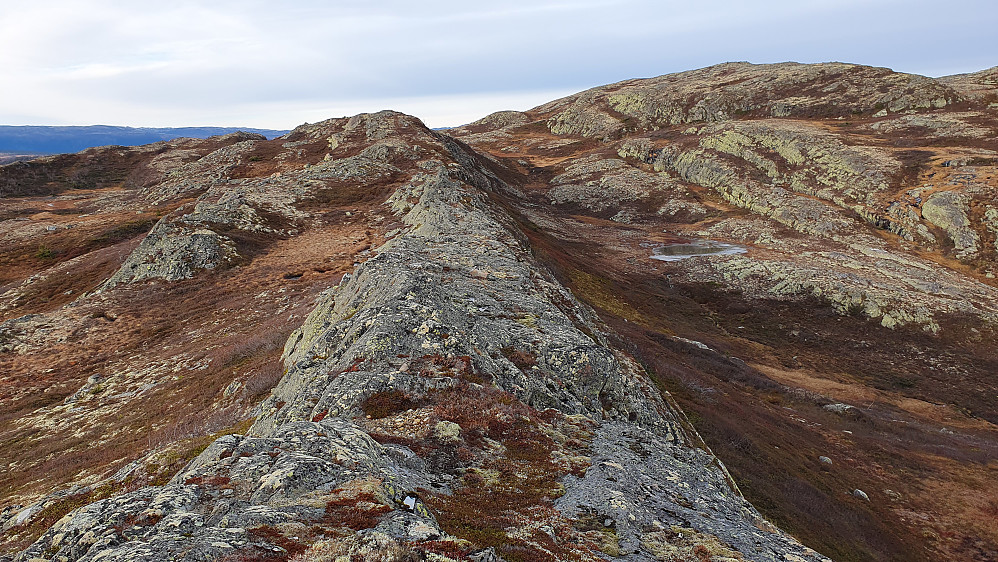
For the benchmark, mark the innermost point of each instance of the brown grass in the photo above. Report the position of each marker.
(770, 432)
(483, 508)
(218, 322)
(355, 511)
(743, 414)
(383, 404)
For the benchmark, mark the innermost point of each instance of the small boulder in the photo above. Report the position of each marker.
(839, 408)
(447, 431)
(860, 494)
(487, 555)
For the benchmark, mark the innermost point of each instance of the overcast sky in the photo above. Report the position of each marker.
(274, 64)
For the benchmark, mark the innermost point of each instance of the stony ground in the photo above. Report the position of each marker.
(859, 320)
(369, 339)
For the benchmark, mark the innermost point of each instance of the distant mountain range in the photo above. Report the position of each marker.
(32, 139)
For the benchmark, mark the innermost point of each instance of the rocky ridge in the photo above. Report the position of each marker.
(453, 303)
(482, 374)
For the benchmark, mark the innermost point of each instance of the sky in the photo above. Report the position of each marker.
(277, 64)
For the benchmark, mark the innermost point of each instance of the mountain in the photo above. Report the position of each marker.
(641, 322)
(37, 140)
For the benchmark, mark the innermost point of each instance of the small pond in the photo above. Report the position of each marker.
(679, 251)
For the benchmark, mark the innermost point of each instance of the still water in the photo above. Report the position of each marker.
(676, 252)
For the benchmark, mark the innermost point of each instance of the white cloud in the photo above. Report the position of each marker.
(434, 111)
(250, 62)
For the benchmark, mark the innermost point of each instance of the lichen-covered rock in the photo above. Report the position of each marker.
(735, 90)
(500, 119)
(201, 236)
(763, 165)
(977, 85)
(939, 126)
(812, 182)
(629, 462)
(228, 497)
(948, 211)
(449, 397)
(862, 277)
(481, 298)
(803, 213)
(172, 252)
(599, 185)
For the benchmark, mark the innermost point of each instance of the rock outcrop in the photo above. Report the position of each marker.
(861, 203)
(451, 325)
(367, 338)
(768, 138)
(736, 90)
(172, 253)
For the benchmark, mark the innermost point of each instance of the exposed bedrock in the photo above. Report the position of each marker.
(498, 373)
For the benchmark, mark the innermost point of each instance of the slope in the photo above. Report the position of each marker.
(850, 315)
(448, 397)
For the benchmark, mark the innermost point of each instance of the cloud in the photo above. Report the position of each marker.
(189, 62)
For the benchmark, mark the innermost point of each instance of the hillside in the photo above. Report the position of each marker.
(596, 329)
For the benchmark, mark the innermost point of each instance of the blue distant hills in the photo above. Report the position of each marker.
(38, 139)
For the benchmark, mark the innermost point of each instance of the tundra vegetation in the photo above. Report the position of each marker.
(370, 340)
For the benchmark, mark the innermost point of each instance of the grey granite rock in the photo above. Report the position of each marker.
(456, 298)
